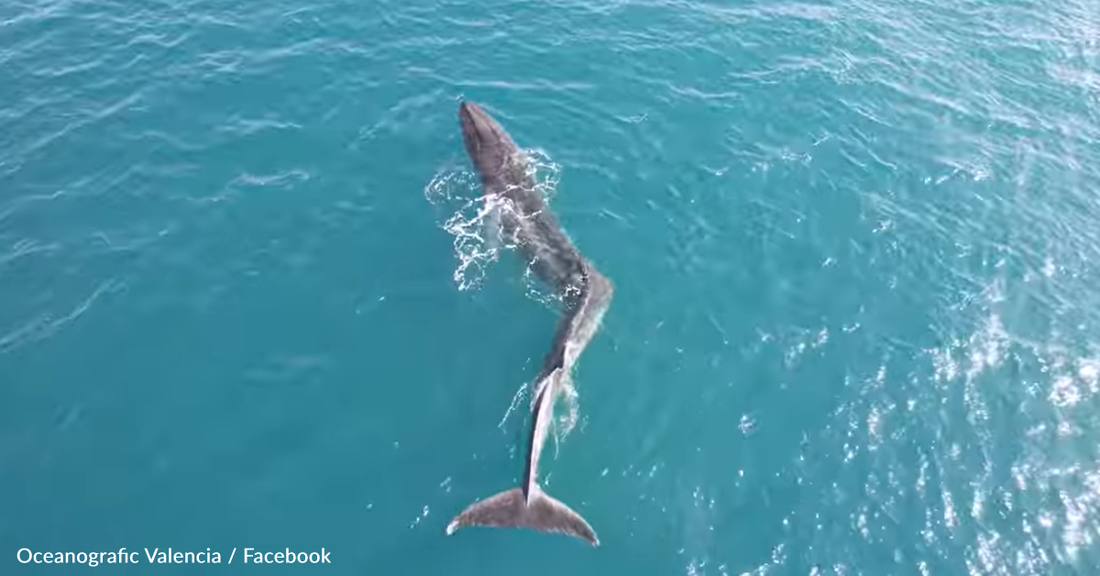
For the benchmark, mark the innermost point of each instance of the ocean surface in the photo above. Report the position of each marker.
(246, 300)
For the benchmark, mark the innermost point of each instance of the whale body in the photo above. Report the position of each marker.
(585, 294)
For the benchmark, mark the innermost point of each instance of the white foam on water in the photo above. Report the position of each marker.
(470, 217)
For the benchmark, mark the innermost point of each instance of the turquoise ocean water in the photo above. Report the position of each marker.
(244, 303)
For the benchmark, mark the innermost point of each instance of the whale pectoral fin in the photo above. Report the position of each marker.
(541, 512)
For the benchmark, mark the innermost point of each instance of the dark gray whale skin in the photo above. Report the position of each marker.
(585, 294)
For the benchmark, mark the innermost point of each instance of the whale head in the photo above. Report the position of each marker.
(490, 148)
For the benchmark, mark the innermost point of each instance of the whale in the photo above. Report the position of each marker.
(585, 295)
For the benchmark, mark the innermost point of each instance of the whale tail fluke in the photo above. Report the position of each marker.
(540, 512)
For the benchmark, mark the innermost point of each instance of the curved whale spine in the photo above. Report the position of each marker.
(586, 295)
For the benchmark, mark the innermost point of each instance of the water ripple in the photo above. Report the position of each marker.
(47, 324)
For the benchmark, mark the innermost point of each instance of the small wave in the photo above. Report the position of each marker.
(278, 179)
(46, 324)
